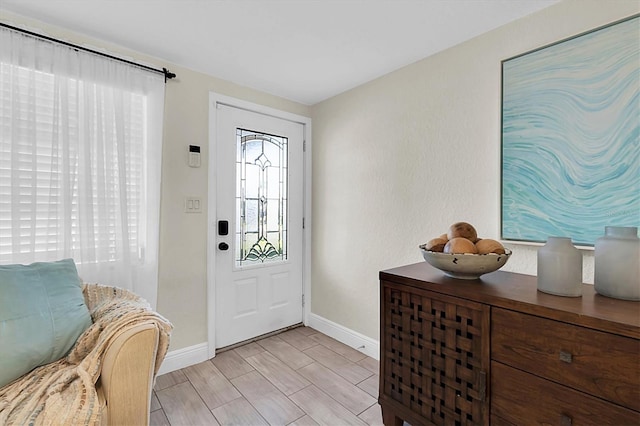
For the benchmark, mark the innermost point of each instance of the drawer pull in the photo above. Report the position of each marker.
(565, 420)
(566, 357)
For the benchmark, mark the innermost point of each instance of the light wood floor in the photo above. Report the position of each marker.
(299, 377)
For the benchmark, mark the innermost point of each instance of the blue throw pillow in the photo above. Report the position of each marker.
(42, 314)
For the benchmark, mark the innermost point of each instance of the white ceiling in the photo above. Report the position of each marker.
(303, 50)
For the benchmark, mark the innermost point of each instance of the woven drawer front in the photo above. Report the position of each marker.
(433, 360)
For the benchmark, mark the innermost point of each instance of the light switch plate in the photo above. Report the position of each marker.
(193, 205)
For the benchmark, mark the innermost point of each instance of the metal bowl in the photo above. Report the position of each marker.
(466, 266)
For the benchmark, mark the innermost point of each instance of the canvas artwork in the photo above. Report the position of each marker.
(570, 137)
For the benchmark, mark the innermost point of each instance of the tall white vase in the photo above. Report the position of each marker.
(560, 268)
(617, 263)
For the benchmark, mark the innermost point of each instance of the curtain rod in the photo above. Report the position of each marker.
(168, 75)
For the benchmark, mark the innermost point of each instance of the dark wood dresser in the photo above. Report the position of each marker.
(497, 351)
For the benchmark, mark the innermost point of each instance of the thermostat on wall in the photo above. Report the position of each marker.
(194, 156)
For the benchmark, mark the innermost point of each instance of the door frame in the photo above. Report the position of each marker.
(216, 99)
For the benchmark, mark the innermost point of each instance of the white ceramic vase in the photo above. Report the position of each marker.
(560, 268)
(617, 263)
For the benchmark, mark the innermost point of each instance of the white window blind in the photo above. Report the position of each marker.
(80, 153)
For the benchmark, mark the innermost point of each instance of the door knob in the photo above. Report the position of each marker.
(223, 246)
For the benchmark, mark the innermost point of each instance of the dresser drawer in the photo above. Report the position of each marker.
(521, 398)
(598, 363)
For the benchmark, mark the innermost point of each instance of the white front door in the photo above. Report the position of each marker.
(259, 208)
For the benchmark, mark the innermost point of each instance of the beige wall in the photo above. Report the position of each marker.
(394, 163)
(182, 292)
(397, 160)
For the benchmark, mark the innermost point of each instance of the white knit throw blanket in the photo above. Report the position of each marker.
(63, 392)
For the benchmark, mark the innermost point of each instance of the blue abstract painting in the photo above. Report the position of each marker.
(571, 137)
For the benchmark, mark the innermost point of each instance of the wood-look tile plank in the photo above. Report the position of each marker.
(231, 364)
(350, 396)
(238, 413)
(276, 408)
(338, 347)
(183, 406)
(170, 379)
(260, 398)
(351, 371)
(155, 404)
(323, 409)
(297, 339)
(304, 421)
(307, 331)
(250, 349)
(371, 385)
(285, 352)
(370, 364)
(158, 418)
(278, 373)
(211, 384)
(372, 416)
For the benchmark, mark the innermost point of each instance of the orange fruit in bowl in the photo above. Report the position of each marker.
(460, 245)
(435, 244)
(488, 245)
(464, 230)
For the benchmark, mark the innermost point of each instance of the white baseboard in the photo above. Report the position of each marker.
(181, 358)
(360, 342)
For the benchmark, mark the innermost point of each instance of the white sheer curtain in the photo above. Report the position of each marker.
(80, 156)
